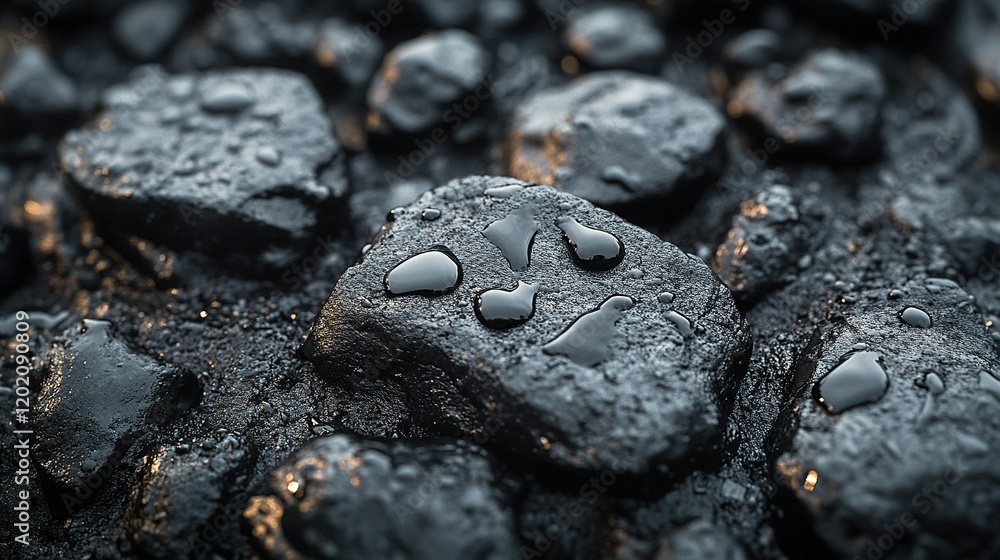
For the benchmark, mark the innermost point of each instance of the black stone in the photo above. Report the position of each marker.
(659, 397)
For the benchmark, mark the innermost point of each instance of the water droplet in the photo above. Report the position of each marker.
(502, 309)
(503, 192)
(858, 379)
(989, 383)
(665, 297)
(432, 273)
(634, 273)
(896, 294)
(934, 386)
(36, 319)
(268, 156)
(226, 97)
(430, 214)
(514, 235)
(683, 323)
(587, 341)
(591, 248)
(395, 213)
(915, 317)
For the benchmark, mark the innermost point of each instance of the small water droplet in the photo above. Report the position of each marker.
(858, 379)
(268, 156)
(395, 213)
(514, 235)
(587, 340)
(503, 192)
(502, 309)
(683, 323)
(591, 248)
(665, 297)
(915, 317)
(989, 383)
(896, 294)
(430, 214)
(224, 97)
(934, 386)
(432, 273)
(634, 273)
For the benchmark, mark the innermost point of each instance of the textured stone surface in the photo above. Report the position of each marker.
(658, 398)
(345, 497)
(616, 139)
(241, 165)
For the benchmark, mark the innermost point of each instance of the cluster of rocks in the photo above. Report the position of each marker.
(373, 279)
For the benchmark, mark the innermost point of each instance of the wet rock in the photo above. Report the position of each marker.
(449, 13)
(98, 395)
(182, 501)
(602, 375)
(145, 29)
(699, 539)
(827, 106)
(35, 95)
(426, 81)
(240, 165)
(975, 244)
(345, 497)
(352, 55)
(751, 49)
(885, 16)
(767, 239)
(617, 139)
(894, 453)
(615, 37)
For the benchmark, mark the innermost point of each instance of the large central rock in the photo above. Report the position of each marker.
(594, 359)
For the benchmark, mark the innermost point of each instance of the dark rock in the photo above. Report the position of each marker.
(975, 244)
(425, 81)
(97, 397)
(751, 49)
(145, 28)
(906, 471)
(768, 238)
(35, 95)
(699, 539)
(345, 497)
(517, 387)
(450, 13)
(617, 139)
(884, 16)
(348, 51)
(240, 165)
(183, 497)
(828, 107)
(615, 37)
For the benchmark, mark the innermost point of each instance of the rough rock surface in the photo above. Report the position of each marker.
(422, 81)
(827, 106)
(910, 468)
(615, 37)
(241, 165)
(184, 494)
(649, 380)
(616, 139)
(98, 395)
(342, 496)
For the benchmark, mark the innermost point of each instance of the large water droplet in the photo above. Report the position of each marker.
(591, 248)
(683, 323)
(502, 309)
(858, 380)
(514, 235)
(915, 317)
(587, 341)
(430, 214)
(432, 273)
